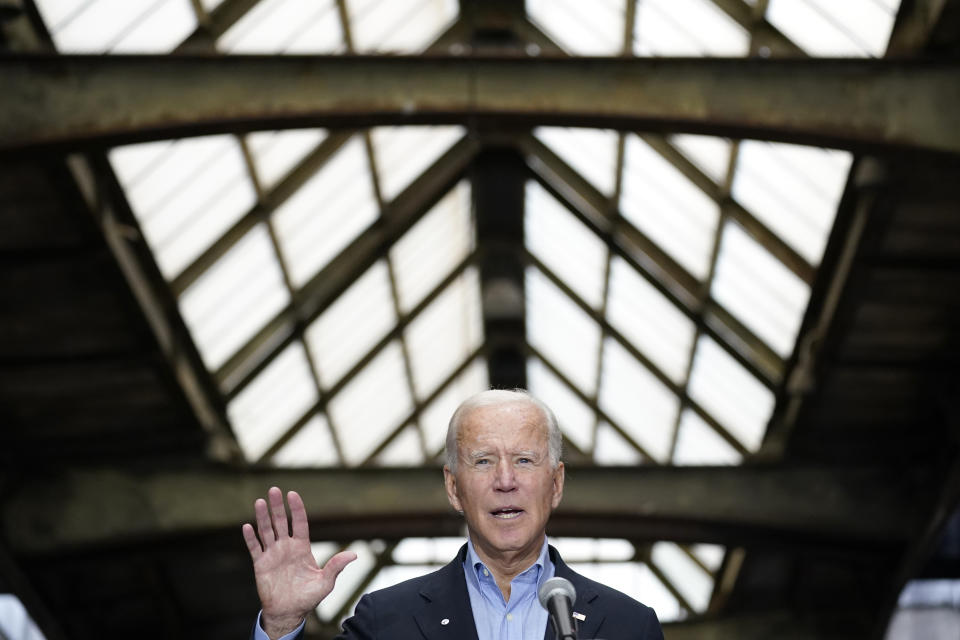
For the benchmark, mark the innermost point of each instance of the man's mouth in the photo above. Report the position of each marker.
(506, 513)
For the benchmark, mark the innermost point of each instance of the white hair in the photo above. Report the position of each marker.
(493, 397)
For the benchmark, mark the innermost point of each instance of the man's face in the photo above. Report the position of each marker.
(504, 483)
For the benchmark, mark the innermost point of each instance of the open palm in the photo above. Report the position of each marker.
(289, 582)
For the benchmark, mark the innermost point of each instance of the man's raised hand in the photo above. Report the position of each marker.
(289, 582)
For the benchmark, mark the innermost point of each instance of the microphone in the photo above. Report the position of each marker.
(557, 596)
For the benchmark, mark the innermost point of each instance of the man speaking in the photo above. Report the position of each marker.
(503, 473)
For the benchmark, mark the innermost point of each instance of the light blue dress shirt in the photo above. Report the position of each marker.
(522, 618)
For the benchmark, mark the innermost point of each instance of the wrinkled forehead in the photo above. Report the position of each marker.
(511, 421)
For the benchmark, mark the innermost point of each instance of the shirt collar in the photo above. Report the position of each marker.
(473, 566)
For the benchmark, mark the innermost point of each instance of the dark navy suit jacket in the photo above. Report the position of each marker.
(416, 609)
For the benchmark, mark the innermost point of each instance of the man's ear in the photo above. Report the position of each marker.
(450, 482)
(558, 475)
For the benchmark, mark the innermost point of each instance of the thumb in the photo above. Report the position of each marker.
(336, 564)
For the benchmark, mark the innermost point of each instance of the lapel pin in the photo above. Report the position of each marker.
(579, 616)
(445, 621)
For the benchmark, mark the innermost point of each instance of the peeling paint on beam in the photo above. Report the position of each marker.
(70, 101)
(91, 507)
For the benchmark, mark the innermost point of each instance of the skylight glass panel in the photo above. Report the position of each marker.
(286, 26)
(612, 450)
(160, 31)
(699, 444)
(758, 289)
(395, 574)
(649, 321)
(185, 194)
(433, 247)
(312, 446)
(15, 621)
(591, 152)
(401, 26)
(637, 581)
(594, 549)
(564, 245)
(637, 401)
(710, 153)
(711, 555)
(275, 153)
(234, 298)
(728, 392)
(402, 153)
(436, 416)
(273, 402)
(426, 550)
(794, 190)
(129, 26)
(445, 334)
(372, 405)
(352, 325)
(825, 28)
(210, 5)
(667, 207)
(561, 331)
(693, 583)
(687, 28)
(348, 581)
(57, 13)
(576, 419)
(326, 213)
(404, 451)
(584, 28)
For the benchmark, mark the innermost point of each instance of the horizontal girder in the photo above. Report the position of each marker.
(77, 508)
(69, 101)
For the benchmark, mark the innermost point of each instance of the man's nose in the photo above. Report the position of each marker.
(506, 476)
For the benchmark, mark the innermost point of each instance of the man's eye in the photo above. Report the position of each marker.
(482, 461)
(524, 460)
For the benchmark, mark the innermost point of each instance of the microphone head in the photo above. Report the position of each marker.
(556, 586)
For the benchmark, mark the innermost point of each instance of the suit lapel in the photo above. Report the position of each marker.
(586, 603)
(447, 614)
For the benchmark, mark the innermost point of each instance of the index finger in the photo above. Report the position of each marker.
(298, 516)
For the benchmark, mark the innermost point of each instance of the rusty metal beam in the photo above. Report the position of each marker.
(498, 177)
(64, 101)
(102, 194)
(73, 508)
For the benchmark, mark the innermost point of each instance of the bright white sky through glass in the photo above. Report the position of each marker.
(399, 26)
(185, 194)
(564, 244)
(661, 202)
(118, 26)
(269, 405)
(576, 419)
(433, 247)
(582, 28)
(687, 28)
(352, 325)
(286, 26)
(444, 334)
(327, 213)
(275, 153)
(234, 298)
(830, 28)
